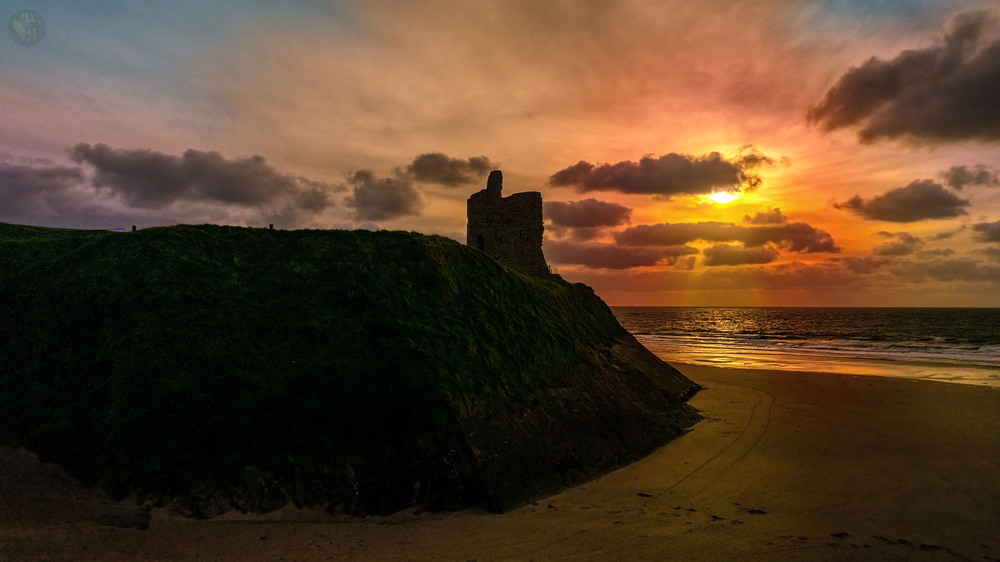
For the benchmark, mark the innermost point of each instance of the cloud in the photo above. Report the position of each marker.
(990, 253)
(987, 231)
(770, 216)
(381, 199)
(668, 175)
(582, 234)
(588, 213)
(610, 256)
(148, 179)
(822, 277)
(935, 253)
(30, 192)
(947, 234)
(874, 279)
(861, 265)
(725, 254)
(950, 91)
(794, 237)
(934, 265)
(957, 177)
(947, 270)
(921, 199)
(435, 167)
(902, 244)
(67, 196)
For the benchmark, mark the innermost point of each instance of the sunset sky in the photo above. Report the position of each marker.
(773, 153)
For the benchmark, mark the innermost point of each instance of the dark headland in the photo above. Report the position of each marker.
(216, 368)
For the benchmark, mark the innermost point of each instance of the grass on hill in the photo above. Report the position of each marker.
(174, 359)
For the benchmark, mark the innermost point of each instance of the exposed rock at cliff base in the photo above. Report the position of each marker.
(622, 404)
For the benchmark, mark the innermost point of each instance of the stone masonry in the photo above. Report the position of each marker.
(509, 229)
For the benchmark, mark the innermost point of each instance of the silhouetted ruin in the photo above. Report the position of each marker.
(509, 229)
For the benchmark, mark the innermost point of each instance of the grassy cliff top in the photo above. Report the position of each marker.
(173, 358)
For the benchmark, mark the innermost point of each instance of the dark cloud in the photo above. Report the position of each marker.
(725, 254)
(921, 199)
(673, 234)
(770, 216)
(947, 270)
(148, 179)
(837, 275)
(990, 253)
(588, 213)
(934, 265)
(794, 237)
(576, 175)
(668, 175)
(935, 253)
(750, 158)
(900, 244)
(434, 167)
(823, 277)
(947, 233)
(685, 264)
(381, 198)
(610, 256)
(987, 231)
(950, 91)
(29, 193)
(957, 177)
(582, 234)
(61, 196)
(861, 265)
(313, 196)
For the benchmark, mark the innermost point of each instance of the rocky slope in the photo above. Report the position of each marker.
(215, 368)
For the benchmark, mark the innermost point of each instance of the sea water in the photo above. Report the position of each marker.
(959, 345)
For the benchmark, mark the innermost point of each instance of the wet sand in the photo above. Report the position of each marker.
(785, 466)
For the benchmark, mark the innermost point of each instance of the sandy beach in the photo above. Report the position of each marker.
(785, 466)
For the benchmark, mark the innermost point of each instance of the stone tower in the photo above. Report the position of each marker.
(509, 229)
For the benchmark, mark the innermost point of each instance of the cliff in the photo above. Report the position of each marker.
(215, 368)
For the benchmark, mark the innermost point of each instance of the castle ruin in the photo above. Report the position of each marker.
(509, 229)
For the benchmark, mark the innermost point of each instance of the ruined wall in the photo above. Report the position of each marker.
(509, 229)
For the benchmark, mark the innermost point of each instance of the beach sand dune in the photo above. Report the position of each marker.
(785, 466)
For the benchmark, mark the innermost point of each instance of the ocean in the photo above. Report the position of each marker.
(959, 345)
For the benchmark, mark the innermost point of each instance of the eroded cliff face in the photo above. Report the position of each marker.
(218, 368)
(622, 403)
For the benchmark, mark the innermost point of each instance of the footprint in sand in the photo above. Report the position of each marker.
(840, 535)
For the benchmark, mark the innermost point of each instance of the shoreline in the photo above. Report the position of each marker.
(804, 362)
(798, 466)
(982, 377)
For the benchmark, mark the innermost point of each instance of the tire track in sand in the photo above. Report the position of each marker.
(718, 465)
(599, 528)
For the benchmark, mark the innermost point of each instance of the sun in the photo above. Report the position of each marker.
(723, 197)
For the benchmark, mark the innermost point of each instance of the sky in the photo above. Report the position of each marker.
(711, 153)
